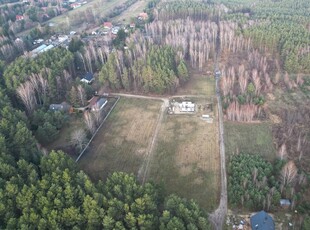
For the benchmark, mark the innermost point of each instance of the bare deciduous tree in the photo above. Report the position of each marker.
(288, 173)
(26, 93)
(78, 138)
(90, 122)
(81, 95)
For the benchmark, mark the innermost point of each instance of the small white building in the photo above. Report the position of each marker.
(187, 106)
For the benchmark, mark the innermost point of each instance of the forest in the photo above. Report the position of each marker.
(263, 54)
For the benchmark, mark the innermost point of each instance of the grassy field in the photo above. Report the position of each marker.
(121, 143)
(199, 84)
(186, 160)
(131, 12)
(99, 8)
(249, 138)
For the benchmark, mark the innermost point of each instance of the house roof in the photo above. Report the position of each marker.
(107, 24)
(88, 76)
(262, 221)
(60, 107)
(285, 202)
(100, 104)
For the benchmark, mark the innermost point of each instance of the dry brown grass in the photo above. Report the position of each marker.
(122, 142)
(187, 159)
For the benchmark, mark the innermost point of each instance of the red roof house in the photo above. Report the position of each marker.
(19, 17)
(107, 25)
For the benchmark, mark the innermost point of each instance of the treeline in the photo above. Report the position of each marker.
(153, 69)
(55, 195)
(196, 10)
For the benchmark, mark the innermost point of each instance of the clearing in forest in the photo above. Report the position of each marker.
(249, 138)
(186, 160)
(121, 143)
(199, 84)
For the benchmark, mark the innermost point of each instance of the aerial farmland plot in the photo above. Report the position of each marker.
(187, 160)
(122, 142)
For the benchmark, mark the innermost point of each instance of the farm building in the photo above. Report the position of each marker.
(187, 106)
(285, 203)
(99, 104)
(262, 221)
(88, 78)
(107, 25)
(63, 107)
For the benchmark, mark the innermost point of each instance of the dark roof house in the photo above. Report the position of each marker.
(99, 104)
(88, 78)
(262, 221)
(63, 107)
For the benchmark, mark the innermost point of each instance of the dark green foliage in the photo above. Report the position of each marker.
(182, 214)
(75, 45)
(158, 72)
(251, 183)
(306, 223)
(50, 65)
(58, 196)
(119, 41)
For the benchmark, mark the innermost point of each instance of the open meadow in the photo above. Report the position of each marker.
(96, 8)
(132, 12)
(252, 138)
(121, 144)
(186, 160)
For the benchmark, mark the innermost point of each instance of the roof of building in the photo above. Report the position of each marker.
(262, 221)
(100, 104)
(284, 202)
(64, 106)
(107, 24)
(88, 76)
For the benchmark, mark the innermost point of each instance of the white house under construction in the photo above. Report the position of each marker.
(187, 106)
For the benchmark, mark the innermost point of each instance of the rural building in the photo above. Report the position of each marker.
(63, 107)
(262, 221)
(42, 48)
(88, 78)
(115, 30)
(99, 104)
(143, 16)
(187, 106)
(285, 203)
(75, 5)
(107, 25)
(19, 17)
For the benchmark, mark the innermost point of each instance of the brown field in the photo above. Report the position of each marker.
(122, 142)
(132, 12)
(187, 160)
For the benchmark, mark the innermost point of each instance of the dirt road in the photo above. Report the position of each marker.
(218, 216)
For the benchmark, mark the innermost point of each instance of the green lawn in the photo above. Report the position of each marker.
(249, 138)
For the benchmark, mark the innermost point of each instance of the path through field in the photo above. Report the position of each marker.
(144, 169)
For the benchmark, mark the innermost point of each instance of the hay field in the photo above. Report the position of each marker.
(122, 142)
(249, 138)
(132, 12)
(186, 161)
